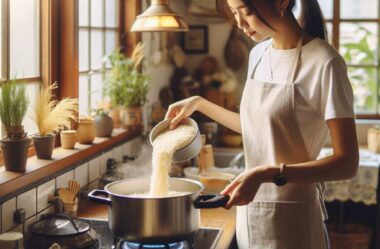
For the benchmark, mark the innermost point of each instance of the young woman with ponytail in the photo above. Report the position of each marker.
(297, 92)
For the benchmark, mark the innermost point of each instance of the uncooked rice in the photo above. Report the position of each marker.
(164, 146)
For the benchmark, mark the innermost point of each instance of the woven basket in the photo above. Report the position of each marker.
(352, 236)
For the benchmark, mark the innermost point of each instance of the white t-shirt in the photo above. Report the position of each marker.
(323, 90)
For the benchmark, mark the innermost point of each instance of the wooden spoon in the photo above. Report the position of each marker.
(74, 187)
(66, 195)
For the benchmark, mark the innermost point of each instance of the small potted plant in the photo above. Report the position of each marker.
(13, 107)
(103, 123)
(51, 116)
(127, 86)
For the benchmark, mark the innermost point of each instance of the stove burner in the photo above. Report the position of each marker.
(178, 245)
(205, 238)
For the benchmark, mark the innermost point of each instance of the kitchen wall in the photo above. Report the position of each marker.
(35, 201)
(218, 35)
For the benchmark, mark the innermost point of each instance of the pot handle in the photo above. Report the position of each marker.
(94, 196)
(211, 201)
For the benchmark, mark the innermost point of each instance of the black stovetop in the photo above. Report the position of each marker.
(205, 238)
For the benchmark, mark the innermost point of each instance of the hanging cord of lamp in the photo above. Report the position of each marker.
(159, 17)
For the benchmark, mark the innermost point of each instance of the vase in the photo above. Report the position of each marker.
(115, 115)
(15, 154)
(68, 139)
(130, 116)
(85, 131)
(44, 145)
(103, 125)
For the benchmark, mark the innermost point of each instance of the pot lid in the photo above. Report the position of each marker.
(59, 225)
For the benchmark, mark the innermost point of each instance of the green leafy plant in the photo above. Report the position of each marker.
(126, 85)
(100, 111)
(362, 78)
(13, 107)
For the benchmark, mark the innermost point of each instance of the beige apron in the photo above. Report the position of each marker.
(287, 217)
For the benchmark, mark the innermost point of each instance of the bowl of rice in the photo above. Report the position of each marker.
(190, 147)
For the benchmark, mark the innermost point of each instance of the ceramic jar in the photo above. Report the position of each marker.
(130, 116)
(68, 139)
(85, 131)
(103, 125)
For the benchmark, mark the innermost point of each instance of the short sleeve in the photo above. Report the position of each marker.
(336, 90)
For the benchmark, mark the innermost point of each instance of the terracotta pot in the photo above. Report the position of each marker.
(44, 146)
(15, 154)
(130, 116)
(115, 115)
(68, 139)
(85, 131)
(103, 125)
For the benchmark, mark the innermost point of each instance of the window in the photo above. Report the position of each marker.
(98, 37)
(353, 27)
(20, 48)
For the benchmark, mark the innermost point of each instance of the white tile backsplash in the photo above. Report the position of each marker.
(118, 154)
(61, 181)
(28, 201)
(103, 161)
(127, 148)
(7, 211)
(93, 169)
(81, 174)
(43, 192)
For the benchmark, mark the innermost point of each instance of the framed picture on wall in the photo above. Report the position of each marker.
(195, 41)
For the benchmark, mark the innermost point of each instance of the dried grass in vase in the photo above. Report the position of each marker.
(52, 115)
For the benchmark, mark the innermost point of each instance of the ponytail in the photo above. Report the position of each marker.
(313, 21)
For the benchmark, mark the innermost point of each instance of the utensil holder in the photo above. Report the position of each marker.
(71, 208)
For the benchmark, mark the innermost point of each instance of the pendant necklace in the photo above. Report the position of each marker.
(270, 63)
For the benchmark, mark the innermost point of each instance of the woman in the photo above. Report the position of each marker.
(297, 91)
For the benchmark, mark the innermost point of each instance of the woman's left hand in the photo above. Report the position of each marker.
(244, 188)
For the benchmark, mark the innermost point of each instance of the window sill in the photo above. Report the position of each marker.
(37, 170)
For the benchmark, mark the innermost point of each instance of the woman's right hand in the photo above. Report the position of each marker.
(182, 109)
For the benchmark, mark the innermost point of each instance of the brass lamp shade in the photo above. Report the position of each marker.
(159, 17)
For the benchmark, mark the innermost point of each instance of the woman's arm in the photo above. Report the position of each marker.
(183, 109)
(343, 164)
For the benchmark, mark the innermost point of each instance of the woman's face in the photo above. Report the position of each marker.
(249, 21)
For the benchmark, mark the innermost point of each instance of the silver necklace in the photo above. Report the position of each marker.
(270, 63)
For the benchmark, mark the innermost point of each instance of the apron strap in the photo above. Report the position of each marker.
(293, 71)
(252, 76)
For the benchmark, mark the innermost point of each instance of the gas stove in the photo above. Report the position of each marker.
(204, 238)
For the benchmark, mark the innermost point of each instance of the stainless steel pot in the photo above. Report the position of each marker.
(183, 154)
(153, 220)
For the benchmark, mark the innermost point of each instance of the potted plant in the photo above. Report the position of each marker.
(51, 116)
(127, 86)
(13, 107)
(103, 123)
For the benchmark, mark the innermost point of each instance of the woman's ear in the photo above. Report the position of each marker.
(282, 5)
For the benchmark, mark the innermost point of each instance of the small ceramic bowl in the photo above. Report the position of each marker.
(68, 139)
(186, 153)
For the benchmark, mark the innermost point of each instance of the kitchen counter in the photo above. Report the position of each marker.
(217, 218)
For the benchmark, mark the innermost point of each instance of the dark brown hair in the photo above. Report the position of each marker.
(313, 22)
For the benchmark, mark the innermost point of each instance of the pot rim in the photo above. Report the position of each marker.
(106, 188)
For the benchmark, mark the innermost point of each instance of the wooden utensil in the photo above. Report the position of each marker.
(74, 187)
(65, 195)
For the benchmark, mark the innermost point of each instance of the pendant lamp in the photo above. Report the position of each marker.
(159, 17)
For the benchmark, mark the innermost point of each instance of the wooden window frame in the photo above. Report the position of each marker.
(59, 45)
(335, 21)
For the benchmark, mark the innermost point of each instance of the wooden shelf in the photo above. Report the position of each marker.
(39, 171)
